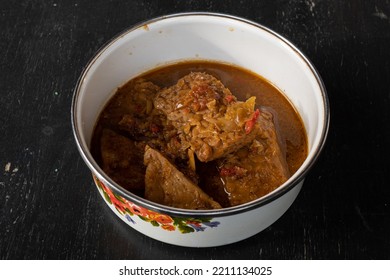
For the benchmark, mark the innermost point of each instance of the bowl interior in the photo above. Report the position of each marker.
(203, 37)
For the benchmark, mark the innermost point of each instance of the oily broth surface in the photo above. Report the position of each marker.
(242, 84)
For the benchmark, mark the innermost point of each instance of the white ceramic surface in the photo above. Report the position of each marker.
(205, 37)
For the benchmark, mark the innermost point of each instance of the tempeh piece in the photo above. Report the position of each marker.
(209, 119)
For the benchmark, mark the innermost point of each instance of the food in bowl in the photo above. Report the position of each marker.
(208, 37)
(199, 135)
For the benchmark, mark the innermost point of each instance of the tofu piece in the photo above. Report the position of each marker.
(165, 184)
(257, 169)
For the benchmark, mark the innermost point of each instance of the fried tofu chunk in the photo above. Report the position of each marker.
(257, 169)
(165, 184)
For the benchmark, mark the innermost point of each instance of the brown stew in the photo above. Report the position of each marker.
(199, 135)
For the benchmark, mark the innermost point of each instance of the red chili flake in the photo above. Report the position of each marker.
(229, 98)
(200, 90)
(251, 122)
(201, 95)
(139, 108)
(175, 141)
(154, 128)
(234, 171)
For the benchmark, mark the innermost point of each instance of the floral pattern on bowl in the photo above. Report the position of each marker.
(128, 209)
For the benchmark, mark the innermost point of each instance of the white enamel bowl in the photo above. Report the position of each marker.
(201, 36)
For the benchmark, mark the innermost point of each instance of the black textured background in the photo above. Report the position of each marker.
(49, 207)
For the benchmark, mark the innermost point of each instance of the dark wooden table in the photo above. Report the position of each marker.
(49, 207)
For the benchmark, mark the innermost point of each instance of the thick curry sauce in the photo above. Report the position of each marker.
(126, 126)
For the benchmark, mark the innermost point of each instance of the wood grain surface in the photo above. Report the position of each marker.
(49, 207)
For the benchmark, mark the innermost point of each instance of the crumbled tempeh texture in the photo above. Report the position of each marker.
(209, 119)
(132, 112)
(134, 99)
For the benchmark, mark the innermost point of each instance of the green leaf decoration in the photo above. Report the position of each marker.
(184, 225)
(144, 219)
(108, 199)
(127, 210)
(119, 198)
(154, 223)
(185, 229)
(177, 221)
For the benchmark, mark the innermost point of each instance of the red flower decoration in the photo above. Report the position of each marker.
(168, 227)
(166, 222)
(137, 210)
(160, 218)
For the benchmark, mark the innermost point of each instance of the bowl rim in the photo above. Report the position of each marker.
(280, 191)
